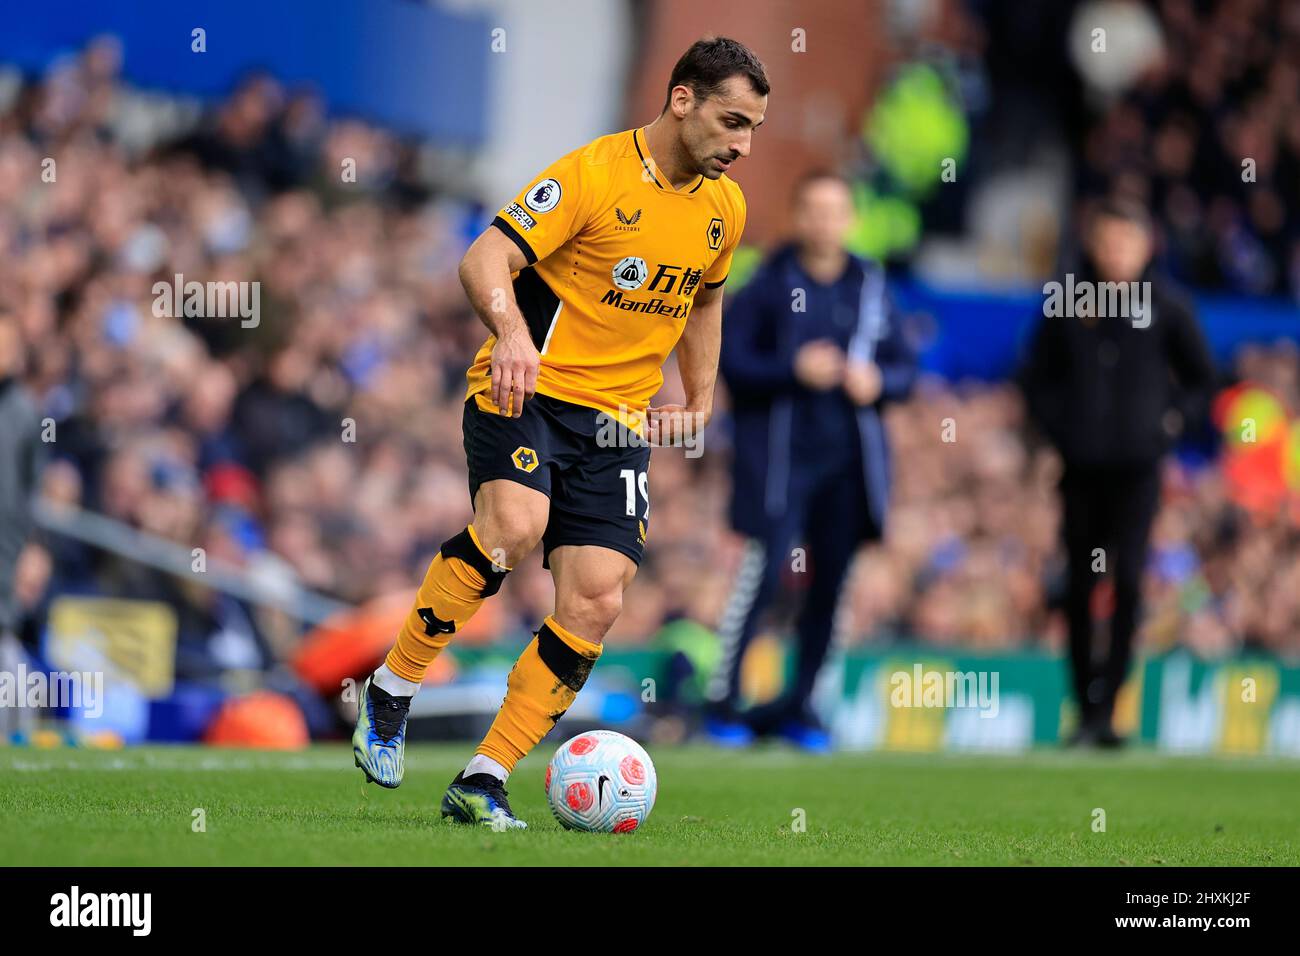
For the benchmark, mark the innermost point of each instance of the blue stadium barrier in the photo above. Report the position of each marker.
(411, 67)
(980, 335)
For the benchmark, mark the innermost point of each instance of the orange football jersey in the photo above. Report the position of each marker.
(615, 258)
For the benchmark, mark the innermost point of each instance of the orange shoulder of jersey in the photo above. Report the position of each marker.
(614, 256)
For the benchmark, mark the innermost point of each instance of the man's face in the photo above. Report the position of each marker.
(823, 215)
(1119, 248)
(716, 131)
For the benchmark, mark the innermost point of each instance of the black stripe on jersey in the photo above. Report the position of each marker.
(714, 285)
(537, 302)
(646, 167)
(518, 240)
(644, 164)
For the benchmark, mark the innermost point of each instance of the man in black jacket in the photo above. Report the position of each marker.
(1118, 368)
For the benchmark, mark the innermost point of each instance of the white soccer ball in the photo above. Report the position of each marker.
(601, 782)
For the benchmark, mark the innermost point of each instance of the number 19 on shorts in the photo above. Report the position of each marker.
(635, 482)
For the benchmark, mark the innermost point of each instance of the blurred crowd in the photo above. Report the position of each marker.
(973, 559)
(320, 442)
(1207, 135)
(323, 442)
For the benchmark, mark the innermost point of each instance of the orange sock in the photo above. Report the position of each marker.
(543, 683)
(460, 576)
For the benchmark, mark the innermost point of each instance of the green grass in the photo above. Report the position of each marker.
(81, 807)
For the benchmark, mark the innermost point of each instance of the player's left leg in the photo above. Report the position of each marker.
(589, 585)
(1134, 501)
(1082, 532)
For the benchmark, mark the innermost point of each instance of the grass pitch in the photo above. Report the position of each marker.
(137, 807)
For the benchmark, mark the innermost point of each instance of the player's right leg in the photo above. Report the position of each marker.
(547, 677)
(751, 592)
(757, 582)
(511, 505)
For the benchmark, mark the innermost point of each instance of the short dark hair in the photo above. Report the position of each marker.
(712, 61)
(816, 175)
(1120, 207)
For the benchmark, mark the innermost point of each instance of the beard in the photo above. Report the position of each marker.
(702, 156)
(709, 168)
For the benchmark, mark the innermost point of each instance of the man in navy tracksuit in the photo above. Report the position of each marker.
(810, 351)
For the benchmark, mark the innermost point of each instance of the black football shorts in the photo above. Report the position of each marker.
(593, 469)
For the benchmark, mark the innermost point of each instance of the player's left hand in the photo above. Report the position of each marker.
(862, 382)
(676, 424)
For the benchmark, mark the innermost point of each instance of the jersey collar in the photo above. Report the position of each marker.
(643, 151)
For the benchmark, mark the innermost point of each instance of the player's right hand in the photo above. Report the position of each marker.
(515, 361)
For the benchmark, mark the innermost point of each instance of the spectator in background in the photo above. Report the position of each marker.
(1196, 115)
(1112, 392)
(809, 356)
(20, 459)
